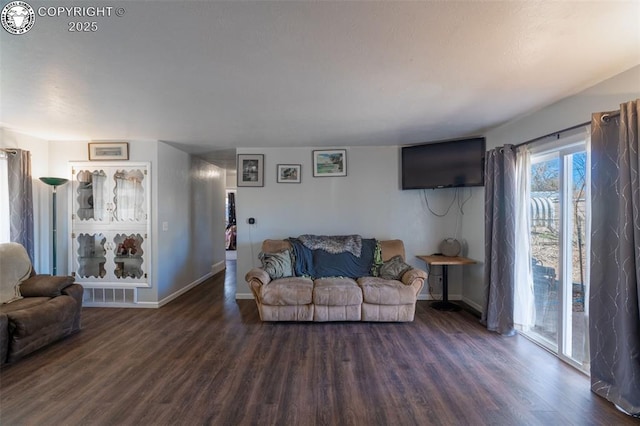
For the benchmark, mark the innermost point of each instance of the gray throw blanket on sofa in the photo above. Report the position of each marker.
(333, 244)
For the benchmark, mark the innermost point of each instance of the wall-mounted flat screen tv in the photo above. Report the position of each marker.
(447, 164)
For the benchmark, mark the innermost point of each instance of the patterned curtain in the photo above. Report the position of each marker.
(21, 199)
(500, 222)
(614, 328)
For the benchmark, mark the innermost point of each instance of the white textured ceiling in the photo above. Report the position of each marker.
(213, 75)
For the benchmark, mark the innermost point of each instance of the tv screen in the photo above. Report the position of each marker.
(448, 164)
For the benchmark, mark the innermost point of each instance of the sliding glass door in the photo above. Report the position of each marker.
(559, 201)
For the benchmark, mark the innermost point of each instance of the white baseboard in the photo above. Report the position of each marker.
(178, 293)
(215, 269)
(453, 297)
(218, 267)
(244, 296)
(426, 296)
(146, 305)
(473, 304)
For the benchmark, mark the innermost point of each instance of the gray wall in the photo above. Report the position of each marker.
(189, 200)
(187, 193)
(368, 201)
(571, 111)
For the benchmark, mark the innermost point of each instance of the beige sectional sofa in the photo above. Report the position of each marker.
(338, 298)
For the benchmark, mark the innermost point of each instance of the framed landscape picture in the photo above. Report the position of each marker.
(108, 151)
(250, 169)
(329, 162)
(288, 173)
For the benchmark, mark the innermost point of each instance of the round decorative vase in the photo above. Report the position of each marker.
(450, 247)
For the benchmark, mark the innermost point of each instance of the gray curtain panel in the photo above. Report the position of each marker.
(500, 225)
(21, 199)
(614, 318)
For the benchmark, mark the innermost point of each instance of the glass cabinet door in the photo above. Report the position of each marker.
(128, 256)
(129, 196)
(90, 196)
(110, 194)
(91, 255)
(110, 256)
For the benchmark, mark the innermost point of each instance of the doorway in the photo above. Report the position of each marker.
(559, 202)
(230, 228)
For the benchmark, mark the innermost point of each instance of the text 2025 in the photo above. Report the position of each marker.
(83, 27)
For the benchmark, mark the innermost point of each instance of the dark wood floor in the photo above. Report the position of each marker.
(205, 358)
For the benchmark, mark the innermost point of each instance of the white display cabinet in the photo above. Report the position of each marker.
(110, 227)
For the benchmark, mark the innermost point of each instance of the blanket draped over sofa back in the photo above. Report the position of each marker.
(344, 256)
(334, 244)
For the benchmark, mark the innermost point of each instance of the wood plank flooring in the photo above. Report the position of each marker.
(206, 359)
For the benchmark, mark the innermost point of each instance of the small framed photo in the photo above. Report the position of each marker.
(330, 162)
(289, 173)
(250, 169)
(99, 151)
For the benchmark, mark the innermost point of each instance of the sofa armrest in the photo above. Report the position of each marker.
(76, 291)
(4, 338)
(415, 278)
(258, 274)
(257, 277)
(45, 285)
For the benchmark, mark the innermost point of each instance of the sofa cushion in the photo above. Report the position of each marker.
(336, 292)
(394, 268)
(277, 265)
(337, 313)
(286, 313)
(391, 248)
(388, 313)
(275, 246)
(287, 291)
(378, 291)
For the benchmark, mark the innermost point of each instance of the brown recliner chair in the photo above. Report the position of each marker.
(36, 309)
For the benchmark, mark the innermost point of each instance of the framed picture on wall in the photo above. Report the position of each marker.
(288, 173)
(330, 162)
(99, 151)
(250, 169)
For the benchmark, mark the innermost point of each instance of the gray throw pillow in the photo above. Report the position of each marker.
(394, 268)
(277, 265)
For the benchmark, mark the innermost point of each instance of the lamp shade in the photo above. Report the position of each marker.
(54, 181)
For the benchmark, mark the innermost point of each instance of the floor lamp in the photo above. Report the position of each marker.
(55, 183)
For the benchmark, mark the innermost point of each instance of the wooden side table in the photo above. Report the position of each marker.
(445, 262)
